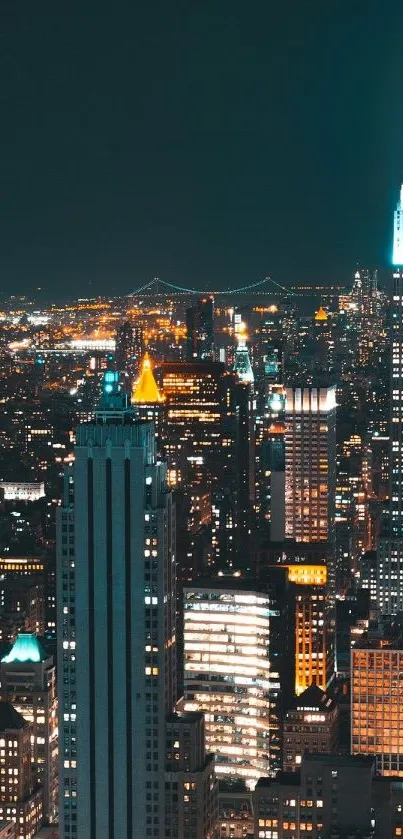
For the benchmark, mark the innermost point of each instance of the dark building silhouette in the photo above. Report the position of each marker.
(129, 349)
(200, 330)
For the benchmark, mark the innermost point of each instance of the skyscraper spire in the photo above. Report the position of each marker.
(242, 365)
(146, 389)
(398, 231)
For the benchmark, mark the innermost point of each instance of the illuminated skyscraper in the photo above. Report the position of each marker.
(116, 629)
(397, 258)
(323, 344)
(314, 649)
(310, 463)
(269, 500)
(242, 365)
(390, 549)
(377, 699)
(229, 674)
(272, 481)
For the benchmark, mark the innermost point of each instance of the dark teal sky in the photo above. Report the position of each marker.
(207, 142)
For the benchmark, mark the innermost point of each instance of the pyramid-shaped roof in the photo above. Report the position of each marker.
(26, 648)
(314, 697)
(321, 314)
(10, 719)
(146, 389)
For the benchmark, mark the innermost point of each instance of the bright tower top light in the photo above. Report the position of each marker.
(398, 231)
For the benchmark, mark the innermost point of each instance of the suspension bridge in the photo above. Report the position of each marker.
(156, 286)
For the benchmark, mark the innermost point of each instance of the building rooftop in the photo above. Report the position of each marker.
(386, 633)
(26, 649)
(185, 716)
(226, 582)
(10, 719)
(315, 699)
(292, 779)
(321, 314)
(146, 390)
(338, 760)
(329, 760)
(198, 366)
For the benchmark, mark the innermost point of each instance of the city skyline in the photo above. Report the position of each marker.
(210, 146)
(201, 421)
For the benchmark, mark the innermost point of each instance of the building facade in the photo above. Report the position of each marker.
(377, 699)
(207, 449)
(314, 636)
(310, 463)
(28, 682)
(330, 796)
(20, 800)
(228, 674)
(310, 725)
(390, 549)
(116, 569)
(191, 787)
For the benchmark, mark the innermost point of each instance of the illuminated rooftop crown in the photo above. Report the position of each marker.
(146, 389)
(321, 314)
(26, 648)
(397, 258)
(242, 365)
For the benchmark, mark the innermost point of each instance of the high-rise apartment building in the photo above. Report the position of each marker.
(117, 633)
(377, 698)
(20, 800)
(28, 682)
(229, 674)
(310, 463)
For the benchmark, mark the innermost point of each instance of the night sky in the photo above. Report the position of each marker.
(209, 143)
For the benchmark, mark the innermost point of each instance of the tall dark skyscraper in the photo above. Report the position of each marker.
(390, 549)
(207, 449)
(200, 330)
(129, 348)
(117, 633)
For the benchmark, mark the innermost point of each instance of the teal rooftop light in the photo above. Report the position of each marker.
(26, 648)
